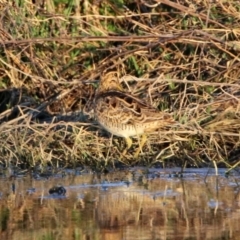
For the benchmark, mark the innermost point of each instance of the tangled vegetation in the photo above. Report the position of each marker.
(181, 56)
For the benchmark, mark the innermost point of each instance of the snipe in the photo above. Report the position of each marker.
(124, 115)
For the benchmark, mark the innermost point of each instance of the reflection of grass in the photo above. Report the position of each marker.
(159, 204)
(4, 218)
(47, 52)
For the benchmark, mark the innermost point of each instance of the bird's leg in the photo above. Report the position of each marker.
(141, 144)
(129, 144)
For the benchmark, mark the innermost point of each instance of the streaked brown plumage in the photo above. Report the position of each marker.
(124, 115)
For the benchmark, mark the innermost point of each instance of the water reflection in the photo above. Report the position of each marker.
(131, 204)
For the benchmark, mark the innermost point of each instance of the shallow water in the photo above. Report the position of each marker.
(129, 204)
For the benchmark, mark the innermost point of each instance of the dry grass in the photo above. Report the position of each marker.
(182, 57)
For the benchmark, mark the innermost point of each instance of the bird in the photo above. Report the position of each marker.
(125, 115)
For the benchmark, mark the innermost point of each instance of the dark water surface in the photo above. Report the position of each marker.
(129, 204)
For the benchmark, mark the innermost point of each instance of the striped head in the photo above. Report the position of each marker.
(109, 82)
